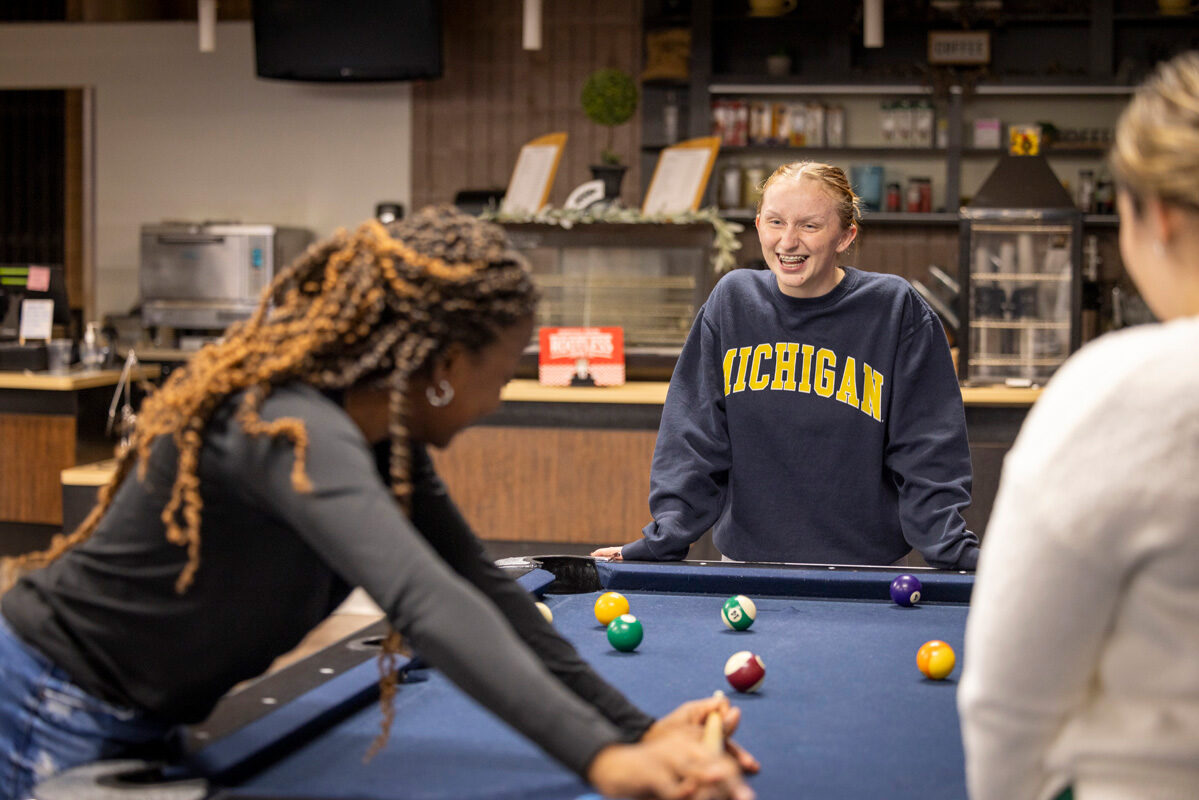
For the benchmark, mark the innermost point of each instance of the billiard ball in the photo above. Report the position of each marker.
(905, 590)
(545, 611)
(935, 659)
(739, 612)
(745, 671)
(625, 632)
(609, 606)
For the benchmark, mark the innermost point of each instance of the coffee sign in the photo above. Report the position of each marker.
(959, 47)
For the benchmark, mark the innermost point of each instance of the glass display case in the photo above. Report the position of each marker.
(649, 279)
(1021, 298)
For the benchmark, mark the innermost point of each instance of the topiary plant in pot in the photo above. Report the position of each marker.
(609, 98)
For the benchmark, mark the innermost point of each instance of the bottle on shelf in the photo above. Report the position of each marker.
(919, 195)
(1091, 295)
(670, 119)
(923, 123)
(1085, 196)
(730, 193)
(1105, 196)
(893, 200)
(834, 126)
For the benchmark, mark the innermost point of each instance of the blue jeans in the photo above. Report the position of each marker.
(48, 724)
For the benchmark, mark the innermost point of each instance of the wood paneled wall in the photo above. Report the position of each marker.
(907, 250)
(469, 125)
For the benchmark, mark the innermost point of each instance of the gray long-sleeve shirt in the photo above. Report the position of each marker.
(275, 562)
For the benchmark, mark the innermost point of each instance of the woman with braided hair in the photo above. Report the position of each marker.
(277, 470)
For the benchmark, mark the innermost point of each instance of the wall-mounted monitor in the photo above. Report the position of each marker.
(347, 40)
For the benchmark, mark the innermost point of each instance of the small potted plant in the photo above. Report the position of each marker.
(609, 98)
(778, 63)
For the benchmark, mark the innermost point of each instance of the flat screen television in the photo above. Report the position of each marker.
(347, 40)
(15, 287)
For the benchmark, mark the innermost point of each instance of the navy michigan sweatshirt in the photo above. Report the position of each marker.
(815, 430)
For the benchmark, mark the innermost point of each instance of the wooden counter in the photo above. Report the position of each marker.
(49, 422)
(572, 463)
(654, 392)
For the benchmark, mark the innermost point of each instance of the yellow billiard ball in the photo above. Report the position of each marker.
(935, 659)
(609, 606)
(545, 611)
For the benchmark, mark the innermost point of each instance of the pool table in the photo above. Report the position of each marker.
(843, 711)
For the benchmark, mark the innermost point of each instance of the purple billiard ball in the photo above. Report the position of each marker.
(905, 590)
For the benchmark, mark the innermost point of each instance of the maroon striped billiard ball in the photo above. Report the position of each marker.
(745, 671)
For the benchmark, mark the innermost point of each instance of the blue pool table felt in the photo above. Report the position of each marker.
(843, 711)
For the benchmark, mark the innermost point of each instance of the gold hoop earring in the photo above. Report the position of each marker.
(441, 396)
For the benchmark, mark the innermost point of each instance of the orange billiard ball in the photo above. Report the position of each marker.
(935, 659)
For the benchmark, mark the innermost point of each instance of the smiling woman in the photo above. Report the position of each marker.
(814, 415)
(807, 217)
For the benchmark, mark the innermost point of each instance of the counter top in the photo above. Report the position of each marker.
(654, 393)
(97, 473)
(634, 392)
(71, 381)
(1000, 395)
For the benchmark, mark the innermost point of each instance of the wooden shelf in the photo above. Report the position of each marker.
(746, 215)
(1018, 325)
(881, 151)
(766, 84)
(1019, 276)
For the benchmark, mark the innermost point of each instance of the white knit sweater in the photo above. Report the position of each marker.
(1082, 643)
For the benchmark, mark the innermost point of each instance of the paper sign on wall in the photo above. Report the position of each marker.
(581, 356)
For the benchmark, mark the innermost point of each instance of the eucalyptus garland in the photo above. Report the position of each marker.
(724, 245)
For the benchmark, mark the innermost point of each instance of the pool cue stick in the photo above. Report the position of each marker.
(713, 737)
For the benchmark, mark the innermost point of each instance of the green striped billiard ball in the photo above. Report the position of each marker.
(739, 612)
(625, 632)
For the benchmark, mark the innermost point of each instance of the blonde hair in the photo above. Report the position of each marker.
(1157, 137)
(375, 306)
(831, 179)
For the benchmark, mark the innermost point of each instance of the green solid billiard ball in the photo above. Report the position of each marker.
(625, 632)
(739, 612)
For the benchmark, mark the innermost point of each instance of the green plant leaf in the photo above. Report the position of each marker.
(609, 97)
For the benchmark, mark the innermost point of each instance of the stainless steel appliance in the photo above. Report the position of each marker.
(1021, 269)
(205, 276)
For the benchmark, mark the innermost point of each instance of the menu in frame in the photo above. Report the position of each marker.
(681, 176)
(533, 175)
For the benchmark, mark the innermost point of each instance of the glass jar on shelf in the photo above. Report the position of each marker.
(753, 176)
